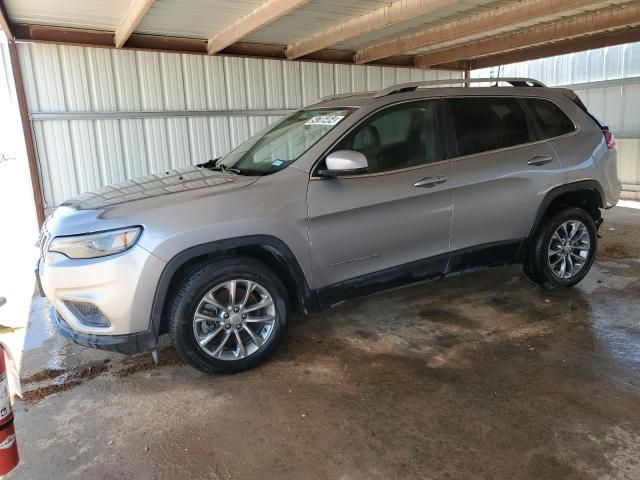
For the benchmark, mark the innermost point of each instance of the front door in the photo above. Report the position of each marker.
(377, 228)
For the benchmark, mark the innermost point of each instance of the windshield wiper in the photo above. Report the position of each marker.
(213, 165)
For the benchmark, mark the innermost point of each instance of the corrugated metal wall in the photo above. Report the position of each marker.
(608, 82)
(85, 152)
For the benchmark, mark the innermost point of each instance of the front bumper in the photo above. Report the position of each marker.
(122, 287)
(127, 344)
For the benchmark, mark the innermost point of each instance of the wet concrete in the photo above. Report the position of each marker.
(482, 375)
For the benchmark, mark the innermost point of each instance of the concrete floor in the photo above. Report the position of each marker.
(476, 376)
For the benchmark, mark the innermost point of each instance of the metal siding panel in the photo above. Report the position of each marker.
(172, 82)
(25, 57)
(48, 78)
(215, 86)
(85, 156)
(180, 137)
(125, 71)
(388, 77)
(149, 80)
(310, 79)
(133, 147)
(75, 79)
(110, 153)
(358, 78)
(327, 83)
(342, 78)
(156, 145)
(292, 85)
(274, 80)
(56, 146)
(101, 79)
(374, 78)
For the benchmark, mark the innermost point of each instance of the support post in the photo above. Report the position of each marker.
(28, 135)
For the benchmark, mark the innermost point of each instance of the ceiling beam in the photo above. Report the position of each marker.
(510, 17)
(268, 12)
(5, 24)
(383, 17)
(571, 46)
(195, 46)
(589, 24)
(132, 18)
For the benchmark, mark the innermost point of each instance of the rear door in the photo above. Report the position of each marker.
(397, 213)
(502, 171)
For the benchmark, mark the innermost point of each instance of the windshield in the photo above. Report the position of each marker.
(284, 142)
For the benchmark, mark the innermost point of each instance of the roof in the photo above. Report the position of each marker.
(451, 34)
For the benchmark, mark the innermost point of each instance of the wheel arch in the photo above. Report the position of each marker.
(265, 248)
(586, 194)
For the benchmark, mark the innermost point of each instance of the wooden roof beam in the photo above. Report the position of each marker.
(131, 19)
(383, 17)
(589, 24)
(571, 46)
(267, 13)
(510, 17)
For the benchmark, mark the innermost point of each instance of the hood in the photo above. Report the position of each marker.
(160, 189)
(130, 202)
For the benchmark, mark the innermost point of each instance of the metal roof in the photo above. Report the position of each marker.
(387, 32)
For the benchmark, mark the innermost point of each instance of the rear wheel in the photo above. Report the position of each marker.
(564, 249)
(229, 315)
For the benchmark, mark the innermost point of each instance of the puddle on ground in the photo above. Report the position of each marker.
(61, 380)
(48, 381)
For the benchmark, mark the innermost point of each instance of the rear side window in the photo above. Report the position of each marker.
(490, 123)
(552, 121)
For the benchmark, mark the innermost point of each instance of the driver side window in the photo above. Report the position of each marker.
(399, 137)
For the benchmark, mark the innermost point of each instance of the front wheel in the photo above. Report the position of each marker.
(228, 316)
(564, 249)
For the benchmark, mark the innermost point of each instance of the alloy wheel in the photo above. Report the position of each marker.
(569, 249)
(234, 319)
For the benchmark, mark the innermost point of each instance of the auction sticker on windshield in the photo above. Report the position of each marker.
(325, 120)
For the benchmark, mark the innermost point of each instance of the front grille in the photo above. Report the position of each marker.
(88, 314)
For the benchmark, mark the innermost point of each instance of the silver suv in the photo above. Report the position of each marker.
(346, 197)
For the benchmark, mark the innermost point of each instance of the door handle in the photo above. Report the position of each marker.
(540, 160)
(428, 182)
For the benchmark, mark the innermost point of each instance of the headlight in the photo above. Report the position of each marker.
(98, 244)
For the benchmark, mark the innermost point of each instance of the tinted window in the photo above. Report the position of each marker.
(483, 124)
(551, 120)
(398, 137)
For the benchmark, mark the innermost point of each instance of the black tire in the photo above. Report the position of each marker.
(194, 288)
(528, 271)
(539, 263)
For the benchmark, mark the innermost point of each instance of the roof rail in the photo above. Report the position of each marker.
(412, 86)
(337, 96)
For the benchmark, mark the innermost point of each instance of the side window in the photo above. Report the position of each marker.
(398, 137)
(552, 121)
(490, 123)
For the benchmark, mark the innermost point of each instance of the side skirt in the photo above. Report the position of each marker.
(473, 258)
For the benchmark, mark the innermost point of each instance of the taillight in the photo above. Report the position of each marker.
(609, 138)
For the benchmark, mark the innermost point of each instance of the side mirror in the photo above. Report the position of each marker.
(344, 162)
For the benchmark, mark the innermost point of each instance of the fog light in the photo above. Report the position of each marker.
(88, 314)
